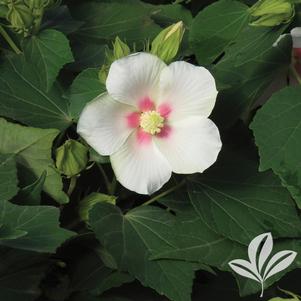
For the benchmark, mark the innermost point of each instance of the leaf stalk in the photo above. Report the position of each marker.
(9, 41)
(164, 193)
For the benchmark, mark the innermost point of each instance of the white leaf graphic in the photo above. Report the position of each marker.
(286, 257)
(265, 251)
(259, 251)
(237, 264)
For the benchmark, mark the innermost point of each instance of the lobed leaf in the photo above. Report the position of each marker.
(85, 88)
(48, 60)
(131, 239)
(277, 131)
(216, 27)
(32, 150)
(238, 202)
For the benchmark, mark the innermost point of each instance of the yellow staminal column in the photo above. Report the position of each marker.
(151, 122)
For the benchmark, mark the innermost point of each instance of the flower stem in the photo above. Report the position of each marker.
(72, 185)
(164, 193)
(9, 40)
(113, 186)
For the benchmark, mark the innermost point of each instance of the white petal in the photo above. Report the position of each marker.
(135, 77)
(189, 90)
(103, 124)
(191, 146)
(140, 167)
(296, 36)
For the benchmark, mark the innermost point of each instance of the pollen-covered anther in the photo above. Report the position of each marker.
(151, 122)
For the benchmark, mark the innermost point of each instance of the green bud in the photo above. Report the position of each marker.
(167, 43)
(96, 157)
(272, 12)
(89, 201)
(20, 17)
(25, 16)
(120, 49)
(103, 73)
(41, 4)
(104, 70)
(71, 158)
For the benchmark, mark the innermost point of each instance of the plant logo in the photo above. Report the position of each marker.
(259, 268)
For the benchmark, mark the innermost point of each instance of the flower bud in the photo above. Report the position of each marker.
(120, 49)
(272, 12)
(103, 73)
(71, 158)
(20, 18)
(168, 41)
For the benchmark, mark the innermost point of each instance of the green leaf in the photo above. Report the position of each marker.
(294, 296)
(48, 60)
(131, 238)
(85, 88)
(59, 18)
(34, 228)
(115, 279)
(20, 274)
(168, 14)
(87, 55)
(195, 241)
(8, 233)
(215, 27)
(31, 194)
(8, 177)
(90, 274)
(32, 150)
(104, 21)
(249, 66)
(277, 130)
(24, 98)
(3, 11)
(39, 226)
(238, 202)
(284, 299)
(90, 200)
(96, 157)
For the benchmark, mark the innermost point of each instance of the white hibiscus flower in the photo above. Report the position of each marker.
(153, 121)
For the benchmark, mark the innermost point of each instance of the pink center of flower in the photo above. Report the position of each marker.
(150, 121)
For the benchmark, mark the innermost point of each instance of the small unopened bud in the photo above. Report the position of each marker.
(71, 158)
(120, 49)
(103, 73)
(272, 12)
(20, 18)
(167, 43)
